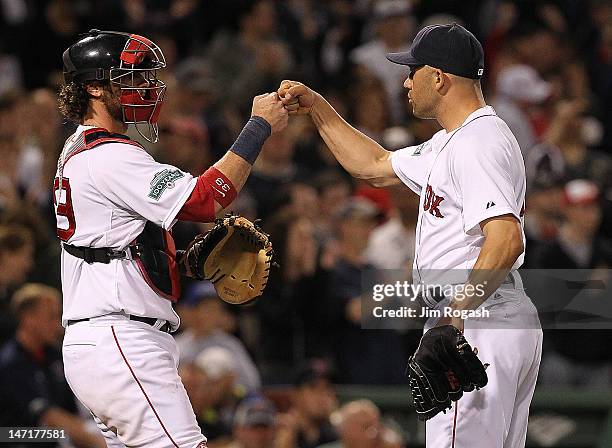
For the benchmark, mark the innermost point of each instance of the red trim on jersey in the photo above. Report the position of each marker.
(224, 190)
(200, 206)
(170, 252)
(91, 138)
(455, 423)
(211, 186)
(142, 388)
(64, 209)
(175, 277)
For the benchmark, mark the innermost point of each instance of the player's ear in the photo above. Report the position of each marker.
(96, 90)
(438, 78)
(442, 81)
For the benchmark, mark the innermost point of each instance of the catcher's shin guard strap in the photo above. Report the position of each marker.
(251, 139)
(224, 191)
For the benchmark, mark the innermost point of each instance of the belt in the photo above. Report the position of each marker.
(166, 327)
(431, 297)
(101, 254)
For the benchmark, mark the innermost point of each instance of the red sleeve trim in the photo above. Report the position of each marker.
(223, 189)
(200, 206)
(211, 186)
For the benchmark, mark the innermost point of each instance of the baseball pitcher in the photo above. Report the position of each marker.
(471, 180)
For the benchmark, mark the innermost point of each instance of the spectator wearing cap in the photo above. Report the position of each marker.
(543, 209)
(572, 359)
(577, 243)
(209, 320)
(520, 90)
(394, 27)
(198, 96)
(33, 390)
(218, 392)
(254, 424)
(307, 422)
(372, 357)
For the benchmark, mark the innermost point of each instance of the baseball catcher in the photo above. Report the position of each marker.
(115, 207)
(443, 367)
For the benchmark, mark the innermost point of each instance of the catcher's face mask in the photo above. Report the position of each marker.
(142, 93)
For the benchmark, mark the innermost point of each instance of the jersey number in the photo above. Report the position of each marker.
(64, 208)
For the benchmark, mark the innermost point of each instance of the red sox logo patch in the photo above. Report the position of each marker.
(432, 202)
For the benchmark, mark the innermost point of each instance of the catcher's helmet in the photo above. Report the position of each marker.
(127, 60)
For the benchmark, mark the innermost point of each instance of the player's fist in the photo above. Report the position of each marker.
(269, 107)
(297, 98)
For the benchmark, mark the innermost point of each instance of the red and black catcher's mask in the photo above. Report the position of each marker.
(128, 61)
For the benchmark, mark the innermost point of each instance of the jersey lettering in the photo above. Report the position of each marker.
(432, 202)
(64, 208)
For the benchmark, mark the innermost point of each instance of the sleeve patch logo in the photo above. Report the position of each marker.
(419, 149)
(162, 181)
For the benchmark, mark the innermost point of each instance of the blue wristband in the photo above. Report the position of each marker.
(251, 139)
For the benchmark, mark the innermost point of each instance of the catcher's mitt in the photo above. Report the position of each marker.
(235, 255)
(443, 367)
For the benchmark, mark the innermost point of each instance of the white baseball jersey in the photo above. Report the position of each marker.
(107, 195)
(463, 177)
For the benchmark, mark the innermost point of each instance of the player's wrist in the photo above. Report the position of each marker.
(315, 102)
(251, 139)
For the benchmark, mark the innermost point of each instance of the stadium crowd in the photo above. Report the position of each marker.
(548, 74)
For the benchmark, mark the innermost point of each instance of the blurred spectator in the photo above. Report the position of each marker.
(535, 44)
(198, 96)
(294, 310)
(46, 265)
(221, 393)
(364, 357)
(359, 425)
(16, 261)
(186, 144)
(307, 422)
(543, 215)
(519, 90)
(255, 60)
(369, 108)
(254, 425)
(208, 323)
(576, 245)
(33, 390)
(43, 139)
(571, 359)
(10, 73)
(333, 189)
(273, 169)
(394, 28)
(391, 245)
(9, 189)
(572, 135)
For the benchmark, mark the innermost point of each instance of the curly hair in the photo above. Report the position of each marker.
(73, 101)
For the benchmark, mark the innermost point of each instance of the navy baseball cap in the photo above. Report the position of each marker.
(197, 292)
(450, 48)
